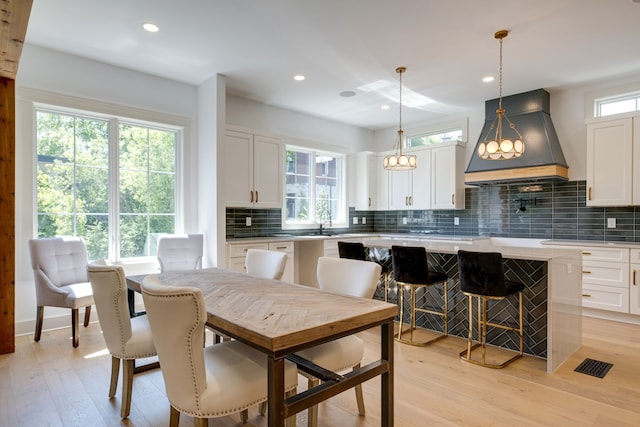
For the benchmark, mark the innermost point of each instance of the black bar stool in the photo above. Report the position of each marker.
(482, 277)
(411, 271)
(356, 250)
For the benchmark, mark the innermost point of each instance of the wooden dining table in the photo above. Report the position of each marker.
(280, 319)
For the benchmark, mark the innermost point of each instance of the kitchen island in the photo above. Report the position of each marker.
(552, 296)
(552, 277)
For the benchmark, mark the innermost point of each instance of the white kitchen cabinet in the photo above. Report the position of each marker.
(253, 170)
(634, 282)
(368, 165)
(613, 152)
(605, 278)
(447, 177)
(237, 253)
(411, 189)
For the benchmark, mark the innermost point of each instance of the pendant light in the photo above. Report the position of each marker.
(399, 161)
(498, 147)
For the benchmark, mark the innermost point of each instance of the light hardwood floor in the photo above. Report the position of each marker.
(51, 384)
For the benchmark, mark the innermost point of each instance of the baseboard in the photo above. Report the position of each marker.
(634, 319)
(51, 323)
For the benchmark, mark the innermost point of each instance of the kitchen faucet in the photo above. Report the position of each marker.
(322, 226)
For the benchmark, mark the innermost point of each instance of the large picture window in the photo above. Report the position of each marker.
(109, 181)
(314, 188)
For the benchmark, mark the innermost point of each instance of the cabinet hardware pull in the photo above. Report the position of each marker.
(245, 249)
(369, 201)
(586, 295)
(410, 200)
(586, 253)
(453, 199)
(589, 194)
(586, 272)
(634, 277)
(251, 196)
(406, 200)
(281, 247)
(256, 196)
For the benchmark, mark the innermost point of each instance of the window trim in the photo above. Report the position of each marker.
(39, 99)
(343, 202)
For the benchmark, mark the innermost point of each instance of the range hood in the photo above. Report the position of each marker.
(542, 158)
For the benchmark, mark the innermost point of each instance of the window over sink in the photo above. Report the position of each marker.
(314, 189)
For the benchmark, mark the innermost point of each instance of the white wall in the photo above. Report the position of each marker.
(295, 127)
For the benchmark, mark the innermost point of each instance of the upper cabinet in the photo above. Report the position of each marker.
(366, 180)
(447, 177)
(254, 168)
(411, 189)
(613, 148)
(436, 183)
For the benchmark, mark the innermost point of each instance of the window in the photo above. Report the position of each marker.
(109, 181)
(618, 104)
(434, 138)
(314, 187)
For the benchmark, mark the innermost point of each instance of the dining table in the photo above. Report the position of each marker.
(280, 319)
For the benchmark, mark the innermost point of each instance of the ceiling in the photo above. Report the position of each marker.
(354, 45)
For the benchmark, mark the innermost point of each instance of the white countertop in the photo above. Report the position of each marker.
(486, 245)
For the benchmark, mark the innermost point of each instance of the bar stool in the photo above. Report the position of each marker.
(482, 277)
(411, 271)
(356, 250)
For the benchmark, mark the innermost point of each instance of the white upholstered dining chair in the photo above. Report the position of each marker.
(349, 277)
(265, 263)
(60, 273)
(127, 338)
(180, 252)
(208, 382)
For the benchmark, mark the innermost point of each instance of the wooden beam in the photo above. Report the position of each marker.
(7, 215)
(14, 16)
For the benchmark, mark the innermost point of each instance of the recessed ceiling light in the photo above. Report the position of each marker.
(347, 93)
(152, 28)
(298, 77)
(385, 107)
(488, 79)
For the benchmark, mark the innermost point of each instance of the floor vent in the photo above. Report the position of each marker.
(594, 368)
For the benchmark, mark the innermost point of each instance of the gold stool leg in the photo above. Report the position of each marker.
(412, 313)
(401, 302)
(446, 309)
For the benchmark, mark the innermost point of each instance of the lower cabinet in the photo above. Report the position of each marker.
(237, 252)
(634, 286)
(605, 279)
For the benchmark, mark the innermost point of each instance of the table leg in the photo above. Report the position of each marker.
(386, 389)
(276, 392)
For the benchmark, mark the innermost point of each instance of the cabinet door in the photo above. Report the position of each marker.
(366, 175)
(609, 163)
(447, 177)
(399, 189)
(382, 180)
(268, 169)
(421, 181)
(634, 289)
(636, 161)
(238, 169)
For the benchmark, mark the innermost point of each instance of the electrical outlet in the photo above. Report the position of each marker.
(456, 220)
(404, 220)
(355, 220)
(364, 220)
(611, 223)
(248, 221)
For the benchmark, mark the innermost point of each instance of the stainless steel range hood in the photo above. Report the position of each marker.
(542, 158)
